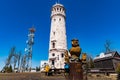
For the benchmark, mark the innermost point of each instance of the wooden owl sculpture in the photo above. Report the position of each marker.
(75, 51)
(66, 57)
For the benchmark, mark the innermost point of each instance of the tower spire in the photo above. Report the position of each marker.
(58, 1)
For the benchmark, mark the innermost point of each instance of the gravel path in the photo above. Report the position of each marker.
(36, 76)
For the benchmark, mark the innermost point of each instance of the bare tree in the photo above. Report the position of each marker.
(90, 62)
(15, 61)
(13, 58)
(19, 57)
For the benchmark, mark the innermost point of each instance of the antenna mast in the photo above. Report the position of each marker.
(58, 1)
(30, 44)
(28, 50)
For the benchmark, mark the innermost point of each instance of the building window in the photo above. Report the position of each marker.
(53, 62)
(57, 9)
(58, 57)
(54, 33)
(54, 19)
(60, 9)
(59, 19)
(53, 45)
(53, 54)
(63, 10)
(62, 55)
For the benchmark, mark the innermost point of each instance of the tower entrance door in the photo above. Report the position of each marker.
(53, 62)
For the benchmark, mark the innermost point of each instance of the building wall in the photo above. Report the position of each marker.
(106, 63)
(58, 58)
(115, 62)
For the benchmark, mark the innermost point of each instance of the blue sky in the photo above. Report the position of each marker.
(91, 21)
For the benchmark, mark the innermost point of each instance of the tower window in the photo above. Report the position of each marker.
(54, 19)
(54, 33)
(53, 54)
(58, 57)
(62, 55)
(57, 9)
(59, 19)
(63, 10)
(53, 62)
(53, 45)
(60, 9)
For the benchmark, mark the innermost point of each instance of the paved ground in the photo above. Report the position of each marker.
(37, 76)
(29, 76)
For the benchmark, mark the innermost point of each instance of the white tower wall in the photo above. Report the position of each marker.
(58, 43)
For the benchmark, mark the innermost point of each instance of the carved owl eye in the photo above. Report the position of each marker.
(72, 42)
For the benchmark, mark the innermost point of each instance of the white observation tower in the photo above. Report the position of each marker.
(58, 42)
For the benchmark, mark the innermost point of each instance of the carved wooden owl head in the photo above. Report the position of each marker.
(75, 43)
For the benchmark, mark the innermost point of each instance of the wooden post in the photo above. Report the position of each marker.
(76, 71)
